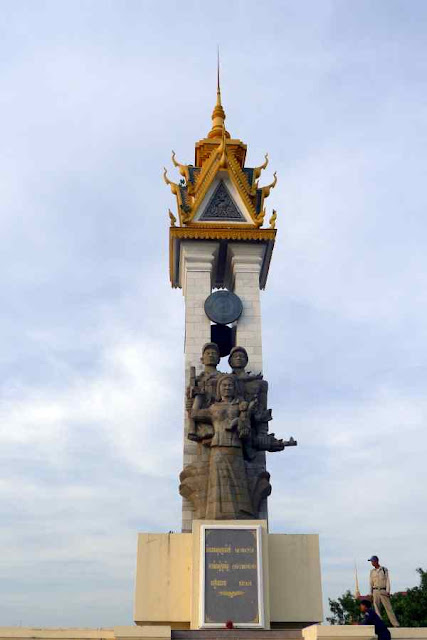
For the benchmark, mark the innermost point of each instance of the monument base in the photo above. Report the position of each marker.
(316, 632)
(169, 578)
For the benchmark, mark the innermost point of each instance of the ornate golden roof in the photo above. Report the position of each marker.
(218, 153)
(218, 191)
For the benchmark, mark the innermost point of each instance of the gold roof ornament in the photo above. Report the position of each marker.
(183, 168)
(218, 114)
(258, 170)
(218, 192)
(272, 221)
(174, 187)
(266, 190)
(172, 218)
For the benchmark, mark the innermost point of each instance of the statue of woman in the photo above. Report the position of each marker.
(230, 417)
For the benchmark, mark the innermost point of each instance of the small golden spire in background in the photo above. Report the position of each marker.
(356, 578)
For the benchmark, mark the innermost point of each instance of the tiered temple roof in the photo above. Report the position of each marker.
(218, 198)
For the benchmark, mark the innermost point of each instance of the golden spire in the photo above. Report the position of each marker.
(356, 590)
(218, 114)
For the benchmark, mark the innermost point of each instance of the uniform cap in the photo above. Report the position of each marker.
(373, 558)
(210, 345)
(234, 350)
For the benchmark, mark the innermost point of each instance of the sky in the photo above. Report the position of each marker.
(94, 95)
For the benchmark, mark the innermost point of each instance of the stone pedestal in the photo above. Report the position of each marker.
(169, 578)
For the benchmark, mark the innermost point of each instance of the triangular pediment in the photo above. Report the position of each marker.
(221, 206)
(222, 203)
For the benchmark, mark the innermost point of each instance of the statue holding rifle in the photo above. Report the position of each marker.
(228, 418)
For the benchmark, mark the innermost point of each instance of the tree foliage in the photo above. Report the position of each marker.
(344, 610)
(410, 607)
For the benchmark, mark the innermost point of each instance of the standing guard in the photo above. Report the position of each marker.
(380, 589)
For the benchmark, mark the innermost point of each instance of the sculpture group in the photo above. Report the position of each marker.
(228, 418)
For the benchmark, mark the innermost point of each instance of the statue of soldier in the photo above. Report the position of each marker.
(251, 386)
(201, 393)
(214, 410)
(202, 389)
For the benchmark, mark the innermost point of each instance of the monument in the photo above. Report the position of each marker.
(225, 566)
(225, 573)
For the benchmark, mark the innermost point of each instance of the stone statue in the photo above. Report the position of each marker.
(227, 491)
(252, 386)
(202, 389)
(229, 419)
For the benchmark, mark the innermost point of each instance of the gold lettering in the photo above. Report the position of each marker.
(231, 594)
(244, 549)
(219, 566)
(245, 583)
(243, 566)
(219, 550)
(218, 583)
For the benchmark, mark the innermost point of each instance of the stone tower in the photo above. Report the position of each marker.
(217, 241)
(225, 568)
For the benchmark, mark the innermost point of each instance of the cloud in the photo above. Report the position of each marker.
(93, 98)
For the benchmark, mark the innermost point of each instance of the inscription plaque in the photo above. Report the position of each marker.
(231, 576)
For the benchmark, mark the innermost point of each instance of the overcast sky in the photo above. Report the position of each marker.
(93, 96)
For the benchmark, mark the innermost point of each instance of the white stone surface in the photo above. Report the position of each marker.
(360, 632)
(80, 633)
(244, 266)
(244, 262)
(196, 269)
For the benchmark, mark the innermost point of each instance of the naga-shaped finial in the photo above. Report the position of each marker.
(174, 187)
(258, 170)
(260, 218)
(273, 219)
(266, 190)
(183, 168)
(172, 218)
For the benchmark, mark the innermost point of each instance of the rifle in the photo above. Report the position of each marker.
(191, 394)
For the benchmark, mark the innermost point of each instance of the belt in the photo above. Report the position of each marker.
(379, 588)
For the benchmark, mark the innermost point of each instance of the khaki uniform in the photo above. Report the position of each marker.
(380, 589)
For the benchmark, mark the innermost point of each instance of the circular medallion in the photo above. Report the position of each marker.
(223, 307)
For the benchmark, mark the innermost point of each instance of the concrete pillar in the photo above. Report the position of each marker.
(245, 262)
(196, 269)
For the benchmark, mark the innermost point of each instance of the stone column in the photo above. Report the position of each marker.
(245, 261)
(196, 268)
(245, 266)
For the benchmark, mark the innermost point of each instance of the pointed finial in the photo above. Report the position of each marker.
(218, 85)
(218, 115)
